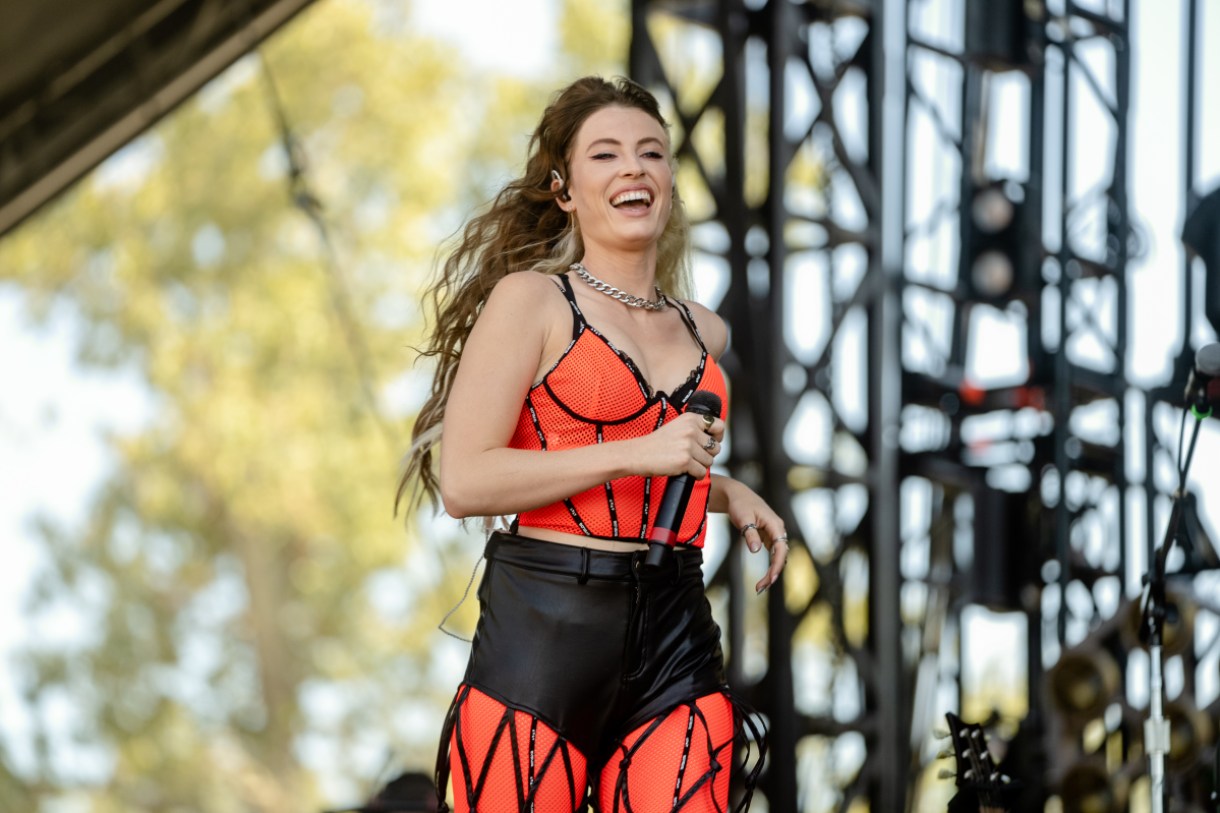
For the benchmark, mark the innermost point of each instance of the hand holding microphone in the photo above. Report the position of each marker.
(677, 490)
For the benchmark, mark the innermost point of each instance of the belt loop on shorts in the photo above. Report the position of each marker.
(584, 566)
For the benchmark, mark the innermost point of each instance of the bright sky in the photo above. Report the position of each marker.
(51, 459)
(516, 37)
(52, 412)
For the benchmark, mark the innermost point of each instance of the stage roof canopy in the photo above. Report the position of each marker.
(80, 78)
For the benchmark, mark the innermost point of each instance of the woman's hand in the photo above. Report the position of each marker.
(760, 526)
(685, 445)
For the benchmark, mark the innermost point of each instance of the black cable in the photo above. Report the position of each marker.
(305, 200)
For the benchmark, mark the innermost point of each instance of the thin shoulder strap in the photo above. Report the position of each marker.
(689, 319)
(578, 317)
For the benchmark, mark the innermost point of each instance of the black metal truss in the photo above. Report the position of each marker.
(885, 458)
(787, 192)
(1055, 436)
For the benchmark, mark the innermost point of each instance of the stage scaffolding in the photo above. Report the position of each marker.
(880, 189)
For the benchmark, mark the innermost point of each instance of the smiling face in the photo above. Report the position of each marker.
(621, 183)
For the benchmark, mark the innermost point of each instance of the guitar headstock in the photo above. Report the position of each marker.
(976, 771)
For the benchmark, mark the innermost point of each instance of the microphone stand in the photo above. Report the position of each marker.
(1216, 782)
(1156, 609)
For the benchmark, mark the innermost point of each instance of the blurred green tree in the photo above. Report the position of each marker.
(258, 629)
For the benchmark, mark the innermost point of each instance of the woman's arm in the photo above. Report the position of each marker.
(525, 323)
(747, 511)
(760, 525)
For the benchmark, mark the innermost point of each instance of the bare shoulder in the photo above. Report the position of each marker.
(528, 287)
(527, 312)
(712, 328)
(525, 297)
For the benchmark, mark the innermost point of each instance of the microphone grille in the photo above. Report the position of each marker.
(702, 401)
(1207, 359)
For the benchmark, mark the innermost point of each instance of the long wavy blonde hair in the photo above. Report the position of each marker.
(524, 229)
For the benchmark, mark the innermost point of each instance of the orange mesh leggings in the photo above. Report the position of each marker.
(506, 761)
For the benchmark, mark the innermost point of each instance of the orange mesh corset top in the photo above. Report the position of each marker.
(595, 394)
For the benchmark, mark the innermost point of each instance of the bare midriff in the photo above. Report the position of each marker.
(581, 541)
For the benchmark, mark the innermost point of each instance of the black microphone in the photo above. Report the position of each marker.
(1203, 385)
(677, 492)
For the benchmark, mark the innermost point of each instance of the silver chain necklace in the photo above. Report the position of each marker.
(659, 304)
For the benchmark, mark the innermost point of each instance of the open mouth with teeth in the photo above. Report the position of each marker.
(635, 199)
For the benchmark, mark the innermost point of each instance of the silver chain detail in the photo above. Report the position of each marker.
(659, 304)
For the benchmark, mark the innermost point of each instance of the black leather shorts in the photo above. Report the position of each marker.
(589, 641)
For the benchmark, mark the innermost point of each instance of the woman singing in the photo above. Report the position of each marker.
(567, 357)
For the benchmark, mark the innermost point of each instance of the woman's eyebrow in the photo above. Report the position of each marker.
(616, 143)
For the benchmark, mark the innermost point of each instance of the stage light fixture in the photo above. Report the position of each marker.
(1190, 731)
(1087, 787)
(1176, 630)
(1084, 682)
(992, 210)
(998, 235)
(992, 274)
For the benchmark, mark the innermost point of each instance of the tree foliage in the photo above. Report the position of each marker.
(259, 630)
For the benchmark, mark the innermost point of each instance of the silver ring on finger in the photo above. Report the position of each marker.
(748, 526)
(711, 444)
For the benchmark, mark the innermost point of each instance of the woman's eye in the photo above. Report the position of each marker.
(653, 154)
(602, 156)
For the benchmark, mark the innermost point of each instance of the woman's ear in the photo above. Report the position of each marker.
(557, 187)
